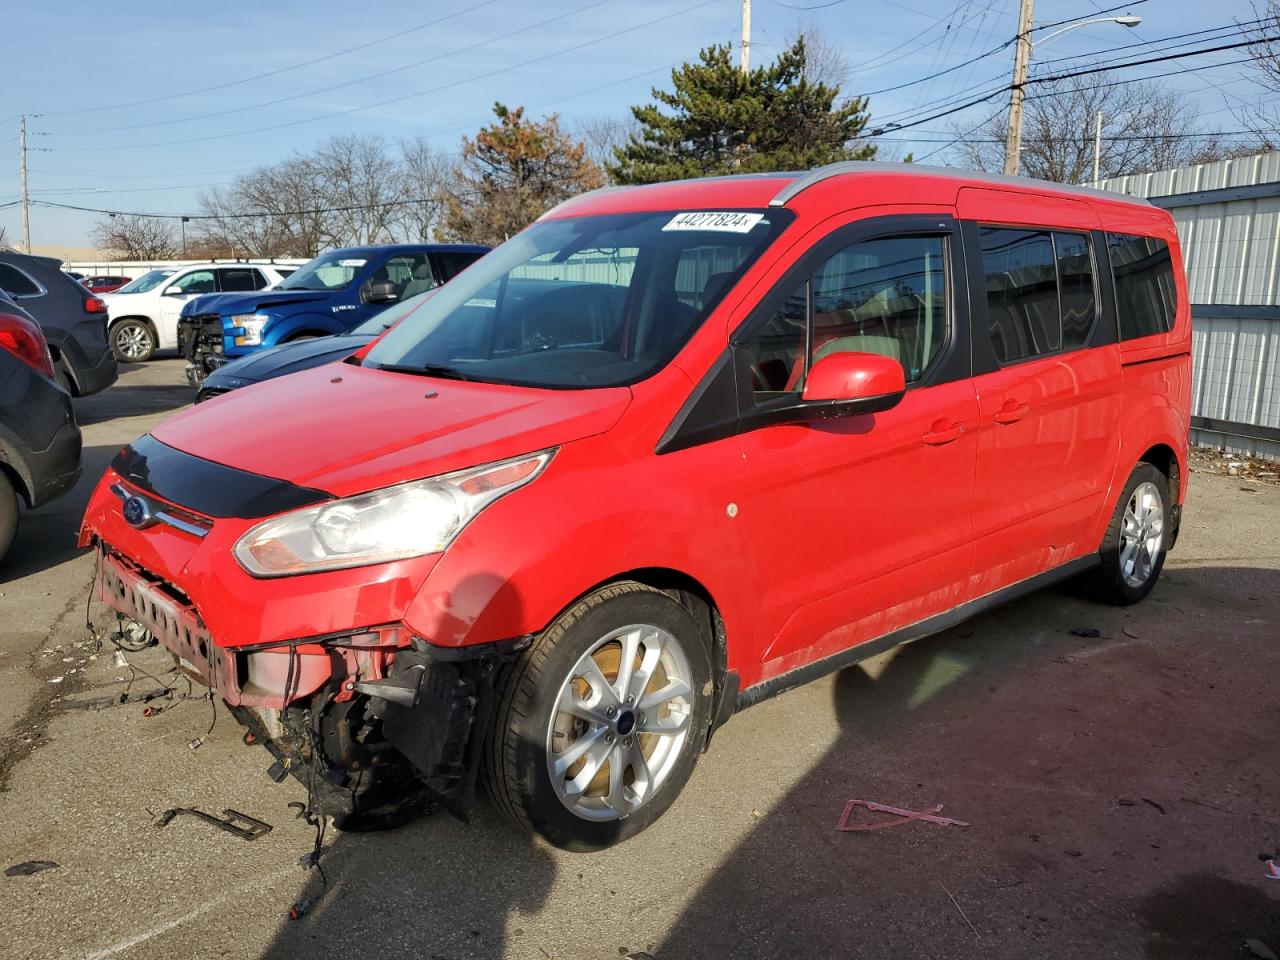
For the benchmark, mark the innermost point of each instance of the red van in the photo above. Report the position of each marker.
(669, 451)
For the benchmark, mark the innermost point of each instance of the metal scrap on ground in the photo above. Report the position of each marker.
(901, 816)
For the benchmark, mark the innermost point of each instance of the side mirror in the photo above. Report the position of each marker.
(172, 292)
(855, 383)
(384, 292)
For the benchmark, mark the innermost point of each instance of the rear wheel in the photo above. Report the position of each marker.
(8, 514)
(132, 341)
(601, 721)
(1137, 540)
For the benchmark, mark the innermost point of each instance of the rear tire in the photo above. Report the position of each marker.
(1136, 542)
(132, 341)
(569, 704)
(8, 514)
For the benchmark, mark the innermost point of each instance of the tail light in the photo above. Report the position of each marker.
(24, 340)
(95, 305)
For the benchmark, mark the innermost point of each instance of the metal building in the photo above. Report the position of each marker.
(1228, 217)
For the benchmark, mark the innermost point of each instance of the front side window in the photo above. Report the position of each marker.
(1146, 298)
(581, 302)
(198, 281)
(885, 296)
(411, 273)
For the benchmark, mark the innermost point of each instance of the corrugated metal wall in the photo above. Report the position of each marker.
(1228, 217)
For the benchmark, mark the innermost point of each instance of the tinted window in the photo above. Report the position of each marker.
(452, 264)
(1076, 287)
(884, 296)
(17, 283)
(198, 281)
(239, 279)
(1022, 293)
(1146, 298)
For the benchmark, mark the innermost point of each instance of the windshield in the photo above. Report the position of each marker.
(329, 271)
(146, 282)
(386, 319)
(583, 302)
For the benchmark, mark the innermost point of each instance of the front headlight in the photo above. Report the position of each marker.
(252, 324)
(407, 520)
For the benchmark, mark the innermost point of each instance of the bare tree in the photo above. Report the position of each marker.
(1263, 116)
(275, 211)
(137, 238)
(358, 178)
(420, 185)
(601, 134)
(825, 61)
(1145, 128)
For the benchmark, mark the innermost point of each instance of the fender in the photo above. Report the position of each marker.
(15, 466)
(286, 327)
(527, 558)
(1157, 398)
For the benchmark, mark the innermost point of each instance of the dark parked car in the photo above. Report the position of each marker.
(39, 439)
(304, 354)
(104, 284)
(73, 320)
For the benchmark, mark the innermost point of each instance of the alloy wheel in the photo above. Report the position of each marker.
(132, 342)
(1141, 534)
(620, 722)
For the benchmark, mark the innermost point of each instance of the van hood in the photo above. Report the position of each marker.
(226, 304)
(347, 429)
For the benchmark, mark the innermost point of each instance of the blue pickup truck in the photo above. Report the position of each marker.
(331, 294)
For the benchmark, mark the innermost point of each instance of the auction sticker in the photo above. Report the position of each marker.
(722, 222)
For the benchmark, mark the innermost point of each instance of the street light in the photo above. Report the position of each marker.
(1022, 60)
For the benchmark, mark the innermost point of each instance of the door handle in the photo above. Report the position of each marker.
(944, 431)
(1012, 412)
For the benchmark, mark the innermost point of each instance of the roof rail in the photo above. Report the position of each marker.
(807, 180)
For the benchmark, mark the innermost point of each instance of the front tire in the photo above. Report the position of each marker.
(600, 722)
(132, 341)
(8, 514)
(1137, 540)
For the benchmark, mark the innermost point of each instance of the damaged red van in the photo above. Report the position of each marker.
(667, 452)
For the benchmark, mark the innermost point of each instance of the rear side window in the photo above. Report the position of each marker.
(18, 284)
(452, 264)
(1146, 299)
(1041, 292)
(238, 280)
(885, 296)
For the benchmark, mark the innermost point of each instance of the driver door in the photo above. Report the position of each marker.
(861, 525)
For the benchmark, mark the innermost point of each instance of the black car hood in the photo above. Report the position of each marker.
(286, 358)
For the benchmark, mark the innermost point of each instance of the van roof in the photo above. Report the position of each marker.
(779, 189)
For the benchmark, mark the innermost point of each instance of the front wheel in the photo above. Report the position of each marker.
(132, 341)
(600, 722)
(1137, 540)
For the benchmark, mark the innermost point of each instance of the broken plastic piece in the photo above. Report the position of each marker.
(299, 909)
(239, 824)
(1273, 870)
(903, 816)
(28, 867)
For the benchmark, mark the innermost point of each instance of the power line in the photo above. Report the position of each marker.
(279, 70)
(408, 96)
(1059, 23)
(338, 86)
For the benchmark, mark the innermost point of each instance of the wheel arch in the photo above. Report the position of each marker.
(1165, 459)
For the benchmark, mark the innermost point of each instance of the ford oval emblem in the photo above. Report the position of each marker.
(136, 512)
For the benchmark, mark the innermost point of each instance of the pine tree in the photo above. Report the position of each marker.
(719, 120)
(510, 174)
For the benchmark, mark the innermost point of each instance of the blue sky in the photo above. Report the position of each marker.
(85, 66)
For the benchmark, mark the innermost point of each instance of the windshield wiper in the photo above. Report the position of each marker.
(425, 370)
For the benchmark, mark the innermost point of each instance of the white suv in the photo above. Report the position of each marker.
(142, 316)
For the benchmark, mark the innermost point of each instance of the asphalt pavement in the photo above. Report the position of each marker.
(1118, 769)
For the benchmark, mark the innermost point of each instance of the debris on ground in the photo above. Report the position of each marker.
(960, 908)
(1131, 634)
(1254, 469)
(232, 821)
(900, 815)
(1260, 949)
(1152, 803)
(28, 867)
(1273, 870)
(1091, 633)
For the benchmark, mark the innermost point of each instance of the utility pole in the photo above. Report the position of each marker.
(1097, 147)
(22, 173)
(1021, 60)
(746, 35)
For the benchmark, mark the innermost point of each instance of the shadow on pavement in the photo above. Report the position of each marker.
(1084, 791)
(132, 400)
